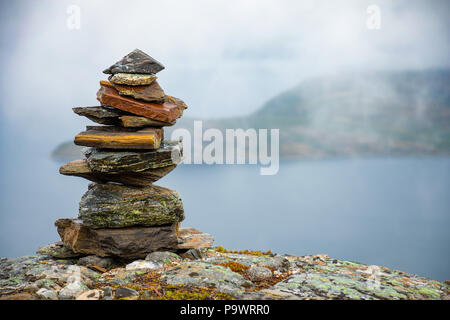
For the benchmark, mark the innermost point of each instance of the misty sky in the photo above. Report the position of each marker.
(224, 58)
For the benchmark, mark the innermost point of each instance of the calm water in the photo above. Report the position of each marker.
(390, 212)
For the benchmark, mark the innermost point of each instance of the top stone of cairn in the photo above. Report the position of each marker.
(135, 62)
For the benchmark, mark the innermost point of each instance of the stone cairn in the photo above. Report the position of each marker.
(123, 214)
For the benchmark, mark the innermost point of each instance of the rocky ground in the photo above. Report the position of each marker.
(208, 274)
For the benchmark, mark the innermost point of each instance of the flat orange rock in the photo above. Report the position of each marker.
(150, 93)
(166, 112)
(115, 138)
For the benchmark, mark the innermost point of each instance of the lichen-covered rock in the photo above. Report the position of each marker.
(47, 294)
(256, 273)
(58, 250)
(129, 243)
(94, 261)
(114, 162)
(203, 274)
(191, 238)
(132, 79)
(136, 61)
(163, 257)
(143, 265)
(116, 206)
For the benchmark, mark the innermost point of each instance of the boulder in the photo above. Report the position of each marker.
(106, 161)
(109, 96)
(129, 243)
(136, 61)
(117, 206)
(132, 79)
(80, 168)
(119, 138)
(124, 292)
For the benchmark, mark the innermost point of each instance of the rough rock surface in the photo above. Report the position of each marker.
(109, 96)
(192, 238)
(111, 116)
(100, 114)
(136, 61)
(152, 92)
(220, 275)
(130, 243)
(119, 138)
(132, 79)
(105, 161)
(80, 168)
(57, 250)
(138, 122)
(117, 206)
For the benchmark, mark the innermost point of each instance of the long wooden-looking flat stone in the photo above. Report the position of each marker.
(119, 138)
(80, 168)
(129, 243)
(166, 112)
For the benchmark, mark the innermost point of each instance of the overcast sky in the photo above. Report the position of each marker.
(224, 58)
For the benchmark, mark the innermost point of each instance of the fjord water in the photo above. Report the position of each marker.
(393, 212)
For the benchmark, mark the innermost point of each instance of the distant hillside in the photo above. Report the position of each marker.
(379, 113)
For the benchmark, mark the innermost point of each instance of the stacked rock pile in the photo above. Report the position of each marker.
(123, 213)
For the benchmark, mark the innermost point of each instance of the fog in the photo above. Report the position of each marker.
(224, 58)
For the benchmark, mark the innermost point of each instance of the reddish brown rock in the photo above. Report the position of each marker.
(137, 122)
(166, 112)
(119, 138)
(129, 243)
(190, 238)
(151, 92)
(80, 168)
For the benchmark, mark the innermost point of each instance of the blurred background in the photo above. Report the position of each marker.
(360, 91)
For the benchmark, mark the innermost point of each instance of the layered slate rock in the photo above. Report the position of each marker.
(119, 138)
(80, 168)
(129, 243)
(117, 206)
(106, 161)
(111, 116)
(152, 93)
(166, 112)
(132, 79)
(135, 62)
(100, 114)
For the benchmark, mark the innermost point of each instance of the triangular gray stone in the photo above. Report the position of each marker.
(136, 62)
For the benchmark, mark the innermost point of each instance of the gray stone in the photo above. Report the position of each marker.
(124, 292)
(135, 62)
(163, 257)
(259, 273)
(47, 294)
(198, 273)
(58, 250)
(108, 293)
(95, 261)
